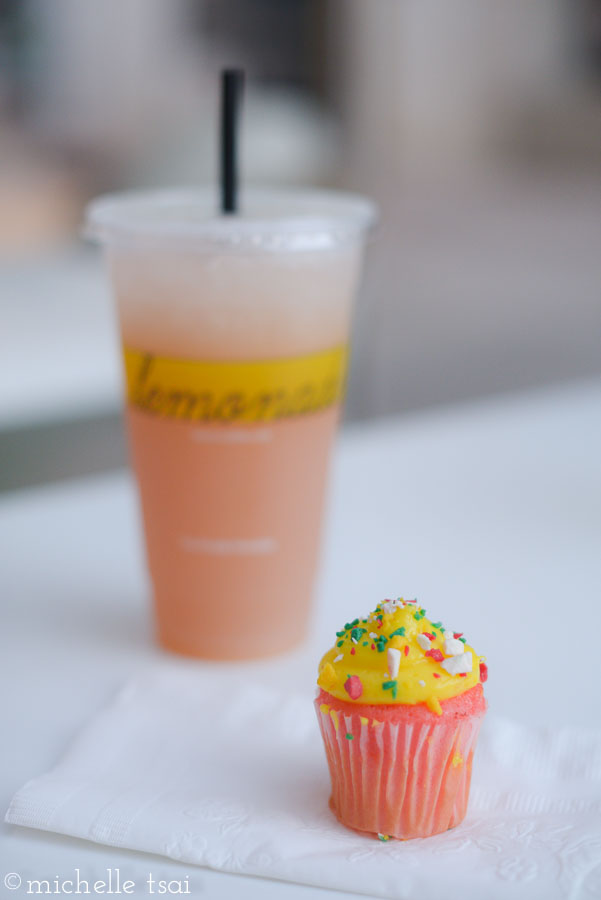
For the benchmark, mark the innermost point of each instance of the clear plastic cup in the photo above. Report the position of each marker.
(235, 333)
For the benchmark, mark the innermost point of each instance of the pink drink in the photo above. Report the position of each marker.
(234, 331)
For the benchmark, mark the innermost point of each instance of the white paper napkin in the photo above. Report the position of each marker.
(183, 766)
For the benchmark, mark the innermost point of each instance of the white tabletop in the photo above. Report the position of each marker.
(488, 513)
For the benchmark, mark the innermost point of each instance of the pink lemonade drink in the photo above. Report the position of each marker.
(235, 333)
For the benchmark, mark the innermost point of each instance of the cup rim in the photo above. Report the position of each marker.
(274, 219)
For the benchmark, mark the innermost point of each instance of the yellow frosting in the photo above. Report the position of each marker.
(361, 650)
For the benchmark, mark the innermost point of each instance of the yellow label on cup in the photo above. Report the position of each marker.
(256, 391)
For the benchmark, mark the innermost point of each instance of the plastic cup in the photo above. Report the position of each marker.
(235, 332)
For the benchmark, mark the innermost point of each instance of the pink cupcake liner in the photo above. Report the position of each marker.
(400, 771)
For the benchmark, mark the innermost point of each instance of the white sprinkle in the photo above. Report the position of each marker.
(447, 633)
(421, 683)
(373, 635)
(423, 641)
(394, 661)
(339, 657)
(389, 606)
(354, 640)
(453, 647)
(458, 665)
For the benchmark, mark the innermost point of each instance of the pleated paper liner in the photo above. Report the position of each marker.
(397, 770)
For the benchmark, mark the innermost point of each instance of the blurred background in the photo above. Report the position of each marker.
(476, 126)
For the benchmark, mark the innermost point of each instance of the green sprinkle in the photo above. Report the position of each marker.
(357, 633)
(390, 686)
(417, 616)
(463, 641)
(339, 633)
(400, 631)
(436, 624)
(365, 643)
(381, 642)
(349, 737)
(340, 643)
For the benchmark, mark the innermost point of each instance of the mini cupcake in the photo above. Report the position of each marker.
(400, 707)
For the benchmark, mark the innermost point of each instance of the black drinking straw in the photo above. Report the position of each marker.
(232, 81)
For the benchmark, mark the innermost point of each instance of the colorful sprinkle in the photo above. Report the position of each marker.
(457, 634)
(390, 686)
(406, 649)
(353, 687)
(383, 837)
(423, 641)
(340, 643)
(349, 737)
(428, 635)
(393, 658)
(452, 647)
(352, 651)
(458, 665)
(399, 631)
(435, 675)
(421, 683)
(435, 653)
(389, 606)
(483, 672)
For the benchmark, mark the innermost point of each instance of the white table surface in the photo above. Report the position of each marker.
(488, 513)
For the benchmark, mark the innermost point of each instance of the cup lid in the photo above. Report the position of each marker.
(270, 219)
